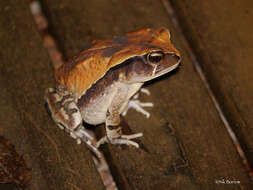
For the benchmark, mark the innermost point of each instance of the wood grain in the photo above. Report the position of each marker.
(186, 144)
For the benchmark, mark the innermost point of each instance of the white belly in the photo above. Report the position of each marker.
(95, 112)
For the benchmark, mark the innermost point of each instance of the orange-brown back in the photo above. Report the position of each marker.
(92, 64)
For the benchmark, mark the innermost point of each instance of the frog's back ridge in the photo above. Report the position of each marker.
(92, 64)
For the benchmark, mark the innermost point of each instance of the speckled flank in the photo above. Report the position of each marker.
(99, 87)
(135, 69)
(126, 70)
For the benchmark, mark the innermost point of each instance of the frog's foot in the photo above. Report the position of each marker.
(123, 139)
(137, 105)
(82, 135)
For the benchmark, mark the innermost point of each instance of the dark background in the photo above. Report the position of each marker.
(188, 145)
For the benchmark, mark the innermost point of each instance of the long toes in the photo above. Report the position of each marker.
(86, 133)
(102, 141)
(145, 91)
(133, 136)
(125, 141)
(129, 142)
(146, 104)
(78, 141)
(146, 114)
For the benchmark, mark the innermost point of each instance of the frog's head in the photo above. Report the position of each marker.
(146, 54)
(152, 65)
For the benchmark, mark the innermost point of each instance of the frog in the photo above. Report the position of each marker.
(101, 83)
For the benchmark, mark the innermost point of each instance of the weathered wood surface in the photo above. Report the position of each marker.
(221, 33)
(187, 145)
(56, 161)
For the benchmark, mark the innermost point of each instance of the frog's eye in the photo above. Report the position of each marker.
(155, 57)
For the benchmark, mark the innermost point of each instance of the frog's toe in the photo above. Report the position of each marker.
(123, 139)
(126, 139)
(138, 106)
(145, 91)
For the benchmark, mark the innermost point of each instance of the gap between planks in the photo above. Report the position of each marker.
(169, 9)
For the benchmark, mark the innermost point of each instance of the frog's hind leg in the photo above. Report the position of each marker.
(67, 116)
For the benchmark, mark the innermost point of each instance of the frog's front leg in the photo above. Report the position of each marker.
(67, 116)
(114, 131)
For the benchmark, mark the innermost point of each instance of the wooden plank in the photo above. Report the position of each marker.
(221, 34)
(186, 143)
(55, 161)
(183, 115)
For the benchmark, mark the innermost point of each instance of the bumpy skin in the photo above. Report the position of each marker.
(97, 85)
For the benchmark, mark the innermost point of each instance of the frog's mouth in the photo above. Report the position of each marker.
(170, 62)
(159, 72)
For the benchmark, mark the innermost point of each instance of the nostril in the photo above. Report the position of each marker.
(176, 57)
